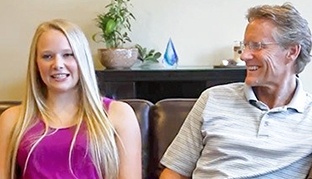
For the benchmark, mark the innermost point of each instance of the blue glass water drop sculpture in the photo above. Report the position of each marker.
(170, 56)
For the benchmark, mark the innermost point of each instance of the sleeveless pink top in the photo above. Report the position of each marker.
(50, 158)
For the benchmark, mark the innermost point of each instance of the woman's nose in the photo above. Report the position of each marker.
(58, 62)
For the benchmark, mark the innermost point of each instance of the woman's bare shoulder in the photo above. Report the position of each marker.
(129, 138)
(121, 113)
(9, 117)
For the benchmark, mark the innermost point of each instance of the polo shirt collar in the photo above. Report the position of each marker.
(297, 102)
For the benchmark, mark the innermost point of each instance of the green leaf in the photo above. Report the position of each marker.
(151, 59)
(110, 26)
(157, 55)
(151, 52)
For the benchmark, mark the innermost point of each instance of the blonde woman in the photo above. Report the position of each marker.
(64, 128)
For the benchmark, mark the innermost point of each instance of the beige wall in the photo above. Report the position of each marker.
(203, 31)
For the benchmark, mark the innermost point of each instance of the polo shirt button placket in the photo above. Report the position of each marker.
(266, 123)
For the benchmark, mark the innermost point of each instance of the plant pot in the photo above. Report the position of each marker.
(118, 58)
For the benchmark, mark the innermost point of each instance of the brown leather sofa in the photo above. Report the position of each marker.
(159, 123)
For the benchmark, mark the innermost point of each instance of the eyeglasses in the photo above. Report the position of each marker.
(256, 45)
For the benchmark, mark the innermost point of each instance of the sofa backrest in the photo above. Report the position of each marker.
(142, 108)
(6, 104)
(166, 118)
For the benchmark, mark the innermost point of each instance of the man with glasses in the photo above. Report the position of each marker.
(261, 128)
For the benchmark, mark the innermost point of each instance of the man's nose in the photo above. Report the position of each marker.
(246, 54)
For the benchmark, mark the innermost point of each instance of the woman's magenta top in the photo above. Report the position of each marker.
(50, 158)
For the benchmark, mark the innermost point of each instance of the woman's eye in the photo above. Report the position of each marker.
(68, 55)
(46, 56)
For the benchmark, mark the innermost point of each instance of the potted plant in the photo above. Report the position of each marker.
(115, 25)
(147, 55)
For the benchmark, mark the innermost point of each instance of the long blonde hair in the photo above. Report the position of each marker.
(101, 134)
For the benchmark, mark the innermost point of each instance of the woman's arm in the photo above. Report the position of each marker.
(7, 121)
(129, 145)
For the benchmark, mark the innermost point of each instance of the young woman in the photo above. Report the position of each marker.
(64, 128)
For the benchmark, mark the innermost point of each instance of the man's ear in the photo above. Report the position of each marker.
(293, 52)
